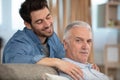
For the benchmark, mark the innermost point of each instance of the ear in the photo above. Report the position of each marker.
(28, 25)
(65, 44)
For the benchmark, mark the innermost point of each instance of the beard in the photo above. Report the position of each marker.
(47, 31)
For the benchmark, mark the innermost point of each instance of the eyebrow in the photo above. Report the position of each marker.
(79, 38)
(83, 39)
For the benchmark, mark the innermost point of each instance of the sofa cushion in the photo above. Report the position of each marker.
(55, 77)
(24, 71)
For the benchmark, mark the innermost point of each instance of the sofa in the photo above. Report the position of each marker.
(25, 71)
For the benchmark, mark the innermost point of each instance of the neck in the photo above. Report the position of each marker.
(83, 62)
(43, 40)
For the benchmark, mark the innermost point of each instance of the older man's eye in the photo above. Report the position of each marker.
(78, 40)
(89, 41)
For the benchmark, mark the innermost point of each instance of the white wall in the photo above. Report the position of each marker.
(101, 38)
(102, 35)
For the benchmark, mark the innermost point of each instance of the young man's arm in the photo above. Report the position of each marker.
(74, 71)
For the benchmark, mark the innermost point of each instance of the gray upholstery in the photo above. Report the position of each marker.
(24, 71)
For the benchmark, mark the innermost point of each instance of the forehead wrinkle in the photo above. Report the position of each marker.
(81, 32)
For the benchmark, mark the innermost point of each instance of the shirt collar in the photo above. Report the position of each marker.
(32, 35)
(78, 63)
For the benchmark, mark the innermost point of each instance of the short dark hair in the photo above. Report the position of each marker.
(1, 42)
(31, 5)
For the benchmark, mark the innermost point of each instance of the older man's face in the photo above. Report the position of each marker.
(79, 45)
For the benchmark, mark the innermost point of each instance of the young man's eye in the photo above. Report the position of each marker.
(39, 22)
(49, 17)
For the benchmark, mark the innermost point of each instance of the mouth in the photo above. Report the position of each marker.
(48, 30)
(84, 52)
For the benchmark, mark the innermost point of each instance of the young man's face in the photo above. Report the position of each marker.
(79, 44)
(42, 22)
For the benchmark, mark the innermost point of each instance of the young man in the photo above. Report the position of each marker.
(77, 43)
(37, 43)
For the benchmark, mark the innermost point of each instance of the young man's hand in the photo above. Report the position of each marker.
(72, 70)
(69, 68)
(94, 66)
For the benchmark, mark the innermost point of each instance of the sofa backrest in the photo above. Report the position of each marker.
(24, 71)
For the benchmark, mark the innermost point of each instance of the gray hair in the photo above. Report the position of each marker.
(75, 24)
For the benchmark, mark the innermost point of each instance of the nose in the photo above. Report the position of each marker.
(85, 45)
(46, 22)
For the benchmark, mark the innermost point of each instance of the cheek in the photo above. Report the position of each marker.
(89, 48)
(73, 47)
(51, 20)
(38, 27)
(76, 49)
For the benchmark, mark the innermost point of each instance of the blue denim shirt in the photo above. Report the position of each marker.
(25, 47)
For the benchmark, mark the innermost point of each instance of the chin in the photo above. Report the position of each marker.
(84, 61)
(49, 34)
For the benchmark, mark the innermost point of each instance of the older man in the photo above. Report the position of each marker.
(77, 43)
